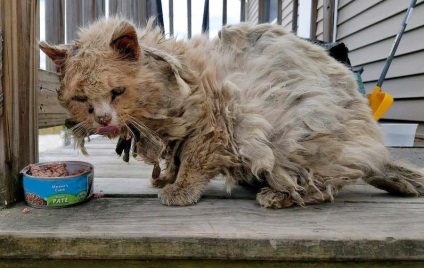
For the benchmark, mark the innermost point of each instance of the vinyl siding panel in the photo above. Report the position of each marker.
(320, 14)
(402, 87)
(286, 3)
(373, 15)
(408, 110)
(287, 9)
(320, 28)
(411, 42)
(410, 64)
(287, 21)
(252, 11)
(384, 29)
(343, 3)
(287, 14)
(351, 11)
(320, 20)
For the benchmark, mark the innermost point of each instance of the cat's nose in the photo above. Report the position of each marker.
(103, 119)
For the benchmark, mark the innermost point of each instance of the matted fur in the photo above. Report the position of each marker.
(256, 104)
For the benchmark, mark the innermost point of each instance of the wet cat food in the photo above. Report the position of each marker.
(57, 184)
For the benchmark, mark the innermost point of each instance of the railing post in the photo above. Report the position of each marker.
(92, 9)
(224, 12)
(74, 18)
(135, 10)
(328, 20)
(18, 123)
(205, 22)
(188, 18)
(159, 12)
(171, 17)
(243, 10)
(1, 74)
(54, 26)
(314, 12)
(279, 12)
(295, 15)
(261, 11)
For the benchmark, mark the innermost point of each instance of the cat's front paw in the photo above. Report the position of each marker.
(175, 195)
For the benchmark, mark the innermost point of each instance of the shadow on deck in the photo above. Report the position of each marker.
(130, 223)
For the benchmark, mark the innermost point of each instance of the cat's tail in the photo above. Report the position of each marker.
(399, 179)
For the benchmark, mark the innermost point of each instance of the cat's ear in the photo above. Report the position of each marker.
(181, 70)
(57, 54)
(125, 42)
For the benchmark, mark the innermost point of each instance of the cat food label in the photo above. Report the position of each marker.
(56, 192)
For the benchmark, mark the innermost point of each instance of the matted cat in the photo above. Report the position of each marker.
(256, 104)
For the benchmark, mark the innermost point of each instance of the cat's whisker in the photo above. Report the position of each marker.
(126, 126)
(80, 132)
(69, 133)
(147, 133)
(143, 126)
(76, 126)
(137, 125)
(130, 131)
(77, 130)
(133, 146)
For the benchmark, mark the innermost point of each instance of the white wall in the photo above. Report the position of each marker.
(304, 20)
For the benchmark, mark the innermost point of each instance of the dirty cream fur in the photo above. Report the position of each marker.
(256, 104)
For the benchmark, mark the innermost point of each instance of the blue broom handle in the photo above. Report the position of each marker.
(396, 43)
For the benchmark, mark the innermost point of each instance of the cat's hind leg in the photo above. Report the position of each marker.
(303, 186)
(271, 198)
(398, 179)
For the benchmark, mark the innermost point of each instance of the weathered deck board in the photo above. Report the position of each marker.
(215, 228)
(129, 222)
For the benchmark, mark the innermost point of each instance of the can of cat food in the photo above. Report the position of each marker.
(57, 184)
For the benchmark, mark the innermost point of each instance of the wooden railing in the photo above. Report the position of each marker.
(50, 112)
(1, 73)
(18, 122)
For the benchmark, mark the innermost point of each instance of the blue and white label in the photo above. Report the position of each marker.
(55, 192)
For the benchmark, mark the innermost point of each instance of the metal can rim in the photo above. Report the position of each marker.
(89, 165)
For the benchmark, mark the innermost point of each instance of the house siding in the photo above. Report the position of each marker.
(287, 14)
(319, 35)
(368, 28)
(252, 11)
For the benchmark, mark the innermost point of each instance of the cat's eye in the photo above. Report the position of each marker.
(117, 91)
(80, 98)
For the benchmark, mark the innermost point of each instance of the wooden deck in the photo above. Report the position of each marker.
(129, 222)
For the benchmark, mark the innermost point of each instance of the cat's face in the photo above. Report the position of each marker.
(98, 94)
(105, 83)
(97, 75)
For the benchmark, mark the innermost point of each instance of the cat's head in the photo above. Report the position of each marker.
(109, 80)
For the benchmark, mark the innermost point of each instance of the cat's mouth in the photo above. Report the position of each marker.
(108, 130)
